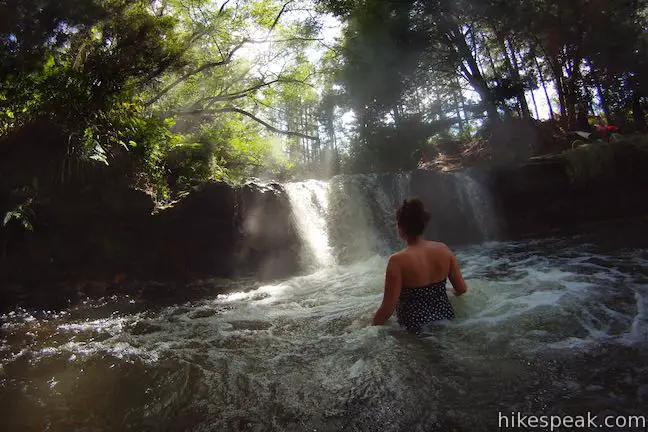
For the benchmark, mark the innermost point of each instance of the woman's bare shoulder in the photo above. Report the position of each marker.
(438, 246)
(439, 250)
(399, 255)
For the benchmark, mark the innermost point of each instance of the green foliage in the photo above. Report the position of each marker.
(82, 66)
(167, 94)
(117, 78)
(230, 150)
(22, 214)
(132, 142)
(81, 60)
(22, 211)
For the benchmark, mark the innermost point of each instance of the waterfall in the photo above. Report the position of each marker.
(309, 201)
(475, 199)
(362, 217)
(353, 217)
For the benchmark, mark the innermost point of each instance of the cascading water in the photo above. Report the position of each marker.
(309, 201)
(475, 199)
(363, 211)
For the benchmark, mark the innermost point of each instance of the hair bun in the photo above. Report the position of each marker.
(415, 206)
(413, 216)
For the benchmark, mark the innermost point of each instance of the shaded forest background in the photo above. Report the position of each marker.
(164, 95)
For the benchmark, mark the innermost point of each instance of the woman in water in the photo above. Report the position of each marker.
(415, 280)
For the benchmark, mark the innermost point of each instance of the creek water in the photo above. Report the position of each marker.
(552, 326)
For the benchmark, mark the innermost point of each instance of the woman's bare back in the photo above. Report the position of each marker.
(429, 262)
(415, 278)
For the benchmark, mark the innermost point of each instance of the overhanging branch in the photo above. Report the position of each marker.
(248, 114)
(276, 20)
(222, 8)
(243, 93)
(193, 72)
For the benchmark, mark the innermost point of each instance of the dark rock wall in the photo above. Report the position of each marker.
(196, 237)
(566, 193)
(269, 245)
(221, 231)
(105, 235)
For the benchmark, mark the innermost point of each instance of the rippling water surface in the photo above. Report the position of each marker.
(553, 326)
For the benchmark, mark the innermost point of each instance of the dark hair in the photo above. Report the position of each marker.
(412, 217)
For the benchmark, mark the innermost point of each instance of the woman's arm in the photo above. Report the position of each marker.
(456, 279)
(392, 291)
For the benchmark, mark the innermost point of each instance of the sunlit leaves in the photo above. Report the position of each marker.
(264, 12)
(230, 149)
(139, 85)
(249, 56)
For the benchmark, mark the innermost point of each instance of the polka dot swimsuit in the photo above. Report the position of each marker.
(418, 307)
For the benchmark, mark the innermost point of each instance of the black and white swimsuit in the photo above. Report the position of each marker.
(418, 307)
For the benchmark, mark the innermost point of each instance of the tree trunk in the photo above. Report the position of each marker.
(544, 86)
(515, 71)
(462, 101)
(556, 69)
(638, 114)
(480, 86)
(396, 114)
(586, 106)
(602, 94)
(475, 77)
(457, 107)
(475, 52)
(535, 105)
(489, 56)
(571, 87)
(304, 143)
(573, 96)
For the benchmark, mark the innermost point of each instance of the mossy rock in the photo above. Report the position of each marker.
(591, 161)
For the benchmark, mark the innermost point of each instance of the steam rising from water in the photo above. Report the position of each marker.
(475, 199)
